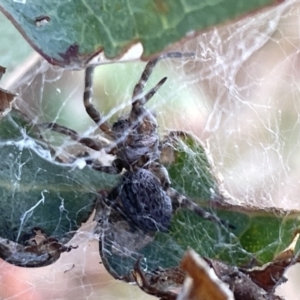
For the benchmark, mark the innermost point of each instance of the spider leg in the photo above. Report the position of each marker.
(150, 94)
(139, 87)
(88, 142)
(115, 168)
(89, 107)
(138, 97)
(161, 173)
(180, 201)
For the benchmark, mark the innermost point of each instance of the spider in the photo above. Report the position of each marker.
(143, 198)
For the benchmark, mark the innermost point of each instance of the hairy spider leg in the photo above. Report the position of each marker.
(138, 99)
(135, 113)
(144, 99)
(115, 168)
(95, 114)
(180, 201)
(89, 107)
(91, 111)
(139, 87)
(88, 142)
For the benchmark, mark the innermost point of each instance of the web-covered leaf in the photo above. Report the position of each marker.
(249, 235)
(68, 33)
(199, 183)
(37, 194)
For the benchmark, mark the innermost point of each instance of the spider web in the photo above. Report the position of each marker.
(240, 96)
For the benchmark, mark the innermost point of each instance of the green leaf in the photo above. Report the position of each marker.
(191, 171)
(68, 33)
(39, 193)
(12, 54)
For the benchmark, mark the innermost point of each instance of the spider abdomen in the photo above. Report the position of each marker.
(144, 201)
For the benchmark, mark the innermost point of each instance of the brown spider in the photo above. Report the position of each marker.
(143, 202)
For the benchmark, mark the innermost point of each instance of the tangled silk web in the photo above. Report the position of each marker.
(240, 96)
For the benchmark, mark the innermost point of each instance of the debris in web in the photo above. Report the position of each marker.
(6, 98)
